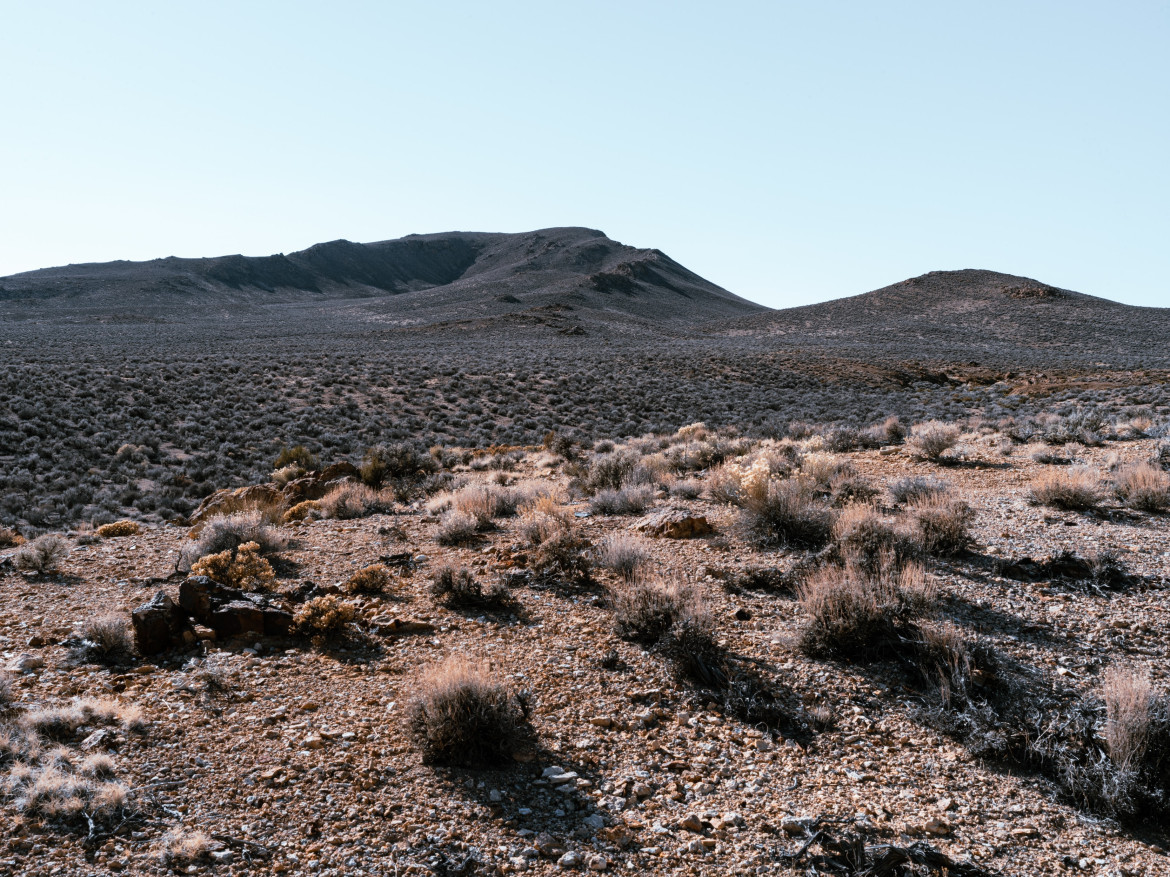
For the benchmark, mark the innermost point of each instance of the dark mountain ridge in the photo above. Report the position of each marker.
(449, 276)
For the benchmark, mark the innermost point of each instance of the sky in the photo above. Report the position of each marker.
(790, 152)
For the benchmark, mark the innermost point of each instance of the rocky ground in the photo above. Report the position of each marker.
(295, 760)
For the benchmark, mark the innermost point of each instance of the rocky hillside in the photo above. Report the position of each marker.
(425, 279)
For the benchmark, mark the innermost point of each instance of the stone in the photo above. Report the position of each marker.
(223, 857)
(675, 524)
(691, 822)
(232, 612)
(595, 822)
(253, 496)
(96, 740)
(596, 862)
(401, 626)
(937, 827)
(159, 625)
(26, 663)
(796, 825)
(569, 860)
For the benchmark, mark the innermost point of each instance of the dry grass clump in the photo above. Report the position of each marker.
(626, 501)
(1129, 698)
(687, 488)
(324, 619)
(10, 538)
(62, 722)
(943, 525)
(464, 716)
(1075, 489)
(458, 589)
(7, 692)
(309, 509)
(916, 487)
(55, 792)
(930, 440)
(863, 534)
(1143, 487)
(457, 528)
(243, 568)
(558, 553)
(397, 463)
(353, 500)
(183, 847)
(623, 554)
(119, 528)
(889, 432)
(822, 470)
(228, 532)
(299, 456)
(42, 555)
(856, 614)
(372, 579)
(106, 639)
(788, 513)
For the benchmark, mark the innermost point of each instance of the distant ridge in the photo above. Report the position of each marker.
(434, 278)
(970, 314)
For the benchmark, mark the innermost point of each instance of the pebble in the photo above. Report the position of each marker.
(569, 860)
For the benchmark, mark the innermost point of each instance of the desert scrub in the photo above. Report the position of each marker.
(788, 513)
(916, 487)
(1074, 489)
(10, 538)
(1143, 487)
(943, 525)
(870, 540)
(42, 555)
(463, 716)
(307, 510)
(623, 554)
(396, 463)
(243, 568)
(228, 532)
(373, 579)
(298, 456)
(626, 501)
(325, 620)
(459, 589)
(354, 500)
(853, 613)
(181, 846)
(119, 528)
(930, 440)
(106, 639)
(457, 528)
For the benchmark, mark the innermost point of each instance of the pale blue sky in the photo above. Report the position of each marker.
(790, 152)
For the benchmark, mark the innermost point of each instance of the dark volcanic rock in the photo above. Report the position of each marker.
(159, 625)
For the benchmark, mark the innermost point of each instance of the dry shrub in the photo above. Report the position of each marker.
(10, 538)
(930, 440)
(183, 847)
(788, 513)
(373, 579)
(309, 509)
(106, 639)
(229, 532)
(611, 471)
(822, 470)
(458, 589)
(324, 619)
(7, 694)
(457, 528)
(645, 609)
(687, 488)
(463, 716)
(243, 568)
(943, 525)
(62, 722)
(1143, 487)
(626, 501)
(869, 539)
(852, 613)
(119, 528)
(889, 432)
(917, 487)
(623, 554)
(563, 557)
(1075, 489)
(42, 555)
(59, 793)
(1128, 698)
(354, 500)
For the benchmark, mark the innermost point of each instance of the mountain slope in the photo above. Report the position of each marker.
(428, 278)
(972, 314)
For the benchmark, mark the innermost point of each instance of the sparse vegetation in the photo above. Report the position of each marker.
(1075, 489)
(788, 513)
(623, 554)
(1143, 487)
(118, 529)
(42, 555)
(243, 568)
(372, 579)
(463, 716)
(944, 524)
(228, 532)
(932, 439)
(459, 589)
(325, 620)
(106, 639)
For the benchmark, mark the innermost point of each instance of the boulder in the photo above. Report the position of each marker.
(232, 612)
(159, 625)
(226, 501)
(675, 524)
